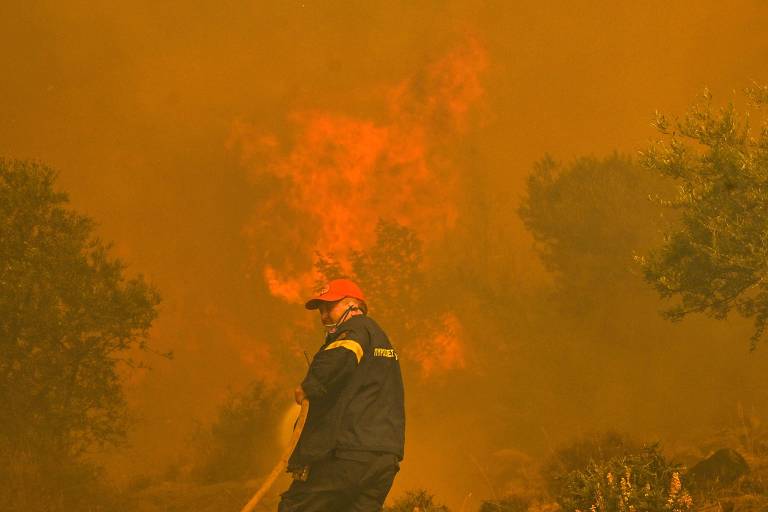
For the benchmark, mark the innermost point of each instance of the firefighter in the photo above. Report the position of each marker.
(352, 442)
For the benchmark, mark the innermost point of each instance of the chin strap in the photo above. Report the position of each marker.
(331, 328)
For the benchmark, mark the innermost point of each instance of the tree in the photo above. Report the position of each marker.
(588, 218)
(240, 443)
(391, 274)
(716, 259)
(68, 316)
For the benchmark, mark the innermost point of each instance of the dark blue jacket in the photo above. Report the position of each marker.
(355, 392)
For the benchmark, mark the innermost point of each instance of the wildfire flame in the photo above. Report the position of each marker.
(343, 173)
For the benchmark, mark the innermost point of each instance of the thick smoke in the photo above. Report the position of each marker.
(213, 145)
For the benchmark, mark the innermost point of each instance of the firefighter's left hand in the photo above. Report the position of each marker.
(299, 395)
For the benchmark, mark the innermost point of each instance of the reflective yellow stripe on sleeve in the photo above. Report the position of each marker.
(349, 345)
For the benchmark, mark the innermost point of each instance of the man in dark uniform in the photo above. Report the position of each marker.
(352, 442)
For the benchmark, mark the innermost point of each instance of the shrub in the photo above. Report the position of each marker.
(595, 448)
(641, 482)
(418, 500)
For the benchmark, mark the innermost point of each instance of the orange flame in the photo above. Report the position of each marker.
(444, 350)
(290, 290)
(342, 174)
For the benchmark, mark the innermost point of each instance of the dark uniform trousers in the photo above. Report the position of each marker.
(344, 482)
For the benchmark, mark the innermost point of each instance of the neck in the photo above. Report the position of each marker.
(348, 313)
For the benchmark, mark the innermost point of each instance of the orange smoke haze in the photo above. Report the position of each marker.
(254, 352)
(223, 145)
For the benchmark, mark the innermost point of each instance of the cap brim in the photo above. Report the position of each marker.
(314, 302)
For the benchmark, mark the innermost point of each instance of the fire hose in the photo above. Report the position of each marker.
(283, 463)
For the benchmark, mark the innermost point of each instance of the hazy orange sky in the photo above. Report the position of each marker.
(148, 111)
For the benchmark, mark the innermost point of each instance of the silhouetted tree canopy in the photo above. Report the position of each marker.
(589, 218)
(390, 273)
(716, 259)
(241, 441)
(68, 316)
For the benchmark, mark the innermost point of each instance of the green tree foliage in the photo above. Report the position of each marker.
(588, 219)
(418, 500)
(641, 482)
(68, 316)
(242, 441)
(716, 259)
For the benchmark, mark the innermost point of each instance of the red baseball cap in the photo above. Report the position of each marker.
(336, 289)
